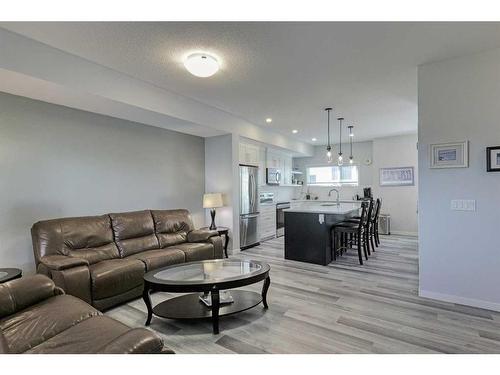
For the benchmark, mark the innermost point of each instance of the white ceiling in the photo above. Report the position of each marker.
(287, 71)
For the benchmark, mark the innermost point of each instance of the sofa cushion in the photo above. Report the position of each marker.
(85, 338)
(89, 237)
(196, 251)
(38, 323)
(115, 276)
(154, 259)
(172, 226)
(134, 232)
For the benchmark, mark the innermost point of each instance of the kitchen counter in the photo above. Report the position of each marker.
(328, 208)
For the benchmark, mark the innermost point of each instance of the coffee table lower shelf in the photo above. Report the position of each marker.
(189, 306)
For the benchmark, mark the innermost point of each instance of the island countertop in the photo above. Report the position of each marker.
(330, 208)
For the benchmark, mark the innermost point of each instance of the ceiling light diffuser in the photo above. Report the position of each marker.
(269, 120)
(295, 131)
(201, 65)
(314, 139)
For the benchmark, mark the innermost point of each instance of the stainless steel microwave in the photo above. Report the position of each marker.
(273, 176)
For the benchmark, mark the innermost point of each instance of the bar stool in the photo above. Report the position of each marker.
(372, 225)
(375, 222)
(346, 234)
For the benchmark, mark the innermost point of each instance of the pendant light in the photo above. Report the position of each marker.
(328, 147)
(351, 136)
(340, 160)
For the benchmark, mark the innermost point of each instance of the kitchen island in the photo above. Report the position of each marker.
(307, 229)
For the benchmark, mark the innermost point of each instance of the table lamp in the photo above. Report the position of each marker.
(212, 201)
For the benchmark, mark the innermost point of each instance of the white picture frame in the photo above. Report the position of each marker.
(397, 176)
(449, 155)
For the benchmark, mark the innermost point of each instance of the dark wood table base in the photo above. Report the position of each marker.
(190, 307)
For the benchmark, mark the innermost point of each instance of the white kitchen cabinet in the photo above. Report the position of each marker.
(262, 166)
(287, 170)
(267, 222)
(273, 159)
(249, 154)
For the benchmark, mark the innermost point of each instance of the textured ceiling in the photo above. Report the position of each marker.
(287, 71)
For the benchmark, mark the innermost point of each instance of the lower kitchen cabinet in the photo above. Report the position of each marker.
(267, 222)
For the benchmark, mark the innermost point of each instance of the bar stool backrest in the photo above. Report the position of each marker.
(377, 209)
(364, 217)
(369, 214)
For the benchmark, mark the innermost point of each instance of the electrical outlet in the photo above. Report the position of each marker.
(463, 205)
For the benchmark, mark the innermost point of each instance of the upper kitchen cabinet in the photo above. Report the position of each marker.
(249, 154)
(283, 162)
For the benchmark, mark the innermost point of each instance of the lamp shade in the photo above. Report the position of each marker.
(212, 200)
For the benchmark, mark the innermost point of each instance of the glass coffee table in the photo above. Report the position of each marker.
(7, 274)
(210, 280)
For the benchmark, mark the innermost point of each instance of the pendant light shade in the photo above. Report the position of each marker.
(328, 147)
(351, 135)
(341, 158)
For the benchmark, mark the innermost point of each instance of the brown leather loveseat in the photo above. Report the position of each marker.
(37, 317)
(102, 259)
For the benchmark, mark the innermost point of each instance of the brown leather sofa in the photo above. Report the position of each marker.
(102, 259)
(37, 317)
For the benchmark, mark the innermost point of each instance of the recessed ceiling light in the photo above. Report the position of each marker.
(269, 120)
(314, 139)
(201, 65)
(295, 131)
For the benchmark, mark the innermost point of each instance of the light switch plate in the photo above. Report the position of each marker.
(463, 205)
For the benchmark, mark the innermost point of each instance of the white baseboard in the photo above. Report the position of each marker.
(403, 233)
(495, 306)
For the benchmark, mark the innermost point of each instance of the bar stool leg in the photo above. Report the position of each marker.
(372, 237)
(335, 241)
(359, 249)
(366, 246)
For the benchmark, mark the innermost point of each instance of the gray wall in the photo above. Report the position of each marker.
(459, 250)
(57, 162)
(398, 201)
(219, 179)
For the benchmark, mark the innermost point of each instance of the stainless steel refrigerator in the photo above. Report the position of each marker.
(249, 206)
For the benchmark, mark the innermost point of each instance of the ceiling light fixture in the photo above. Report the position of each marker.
(201, 65)
(314, 139)
(295, 131)
(269, 120)
(328, 147)
(340, 160)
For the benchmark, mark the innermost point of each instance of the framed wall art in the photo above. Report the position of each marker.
(398, 176)
(493, 159)
(449, 155)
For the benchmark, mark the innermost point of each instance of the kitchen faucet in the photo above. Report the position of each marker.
(338, 198)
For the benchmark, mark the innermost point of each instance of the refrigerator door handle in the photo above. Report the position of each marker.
(250, 216)
(250, 187)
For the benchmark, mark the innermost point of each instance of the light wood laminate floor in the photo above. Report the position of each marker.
(340, 308)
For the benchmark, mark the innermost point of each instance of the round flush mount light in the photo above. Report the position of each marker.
(314, 139)
(295, 131)
(201, 65)
(269, 120)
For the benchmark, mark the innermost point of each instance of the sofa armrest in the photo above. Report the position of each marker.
(218, 247)
(4, 347)
(201, 235)
(62, 262)
(21, 293)
(135, 341)
(74, 281)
